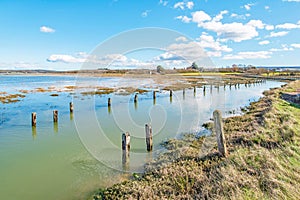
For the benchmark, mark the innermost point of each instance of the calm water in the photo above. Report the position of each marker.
(82, 152)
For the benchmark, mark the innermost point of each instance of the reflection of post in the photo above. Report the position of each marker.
(183, 94)
(220, 132)
(125, 150)
(211, 88)
(154, 102)
(33, 119)
(33, 132)
(71, 107)
(55, 116)
(55, 127)
(218, 88)
(125, 160)
(148, 130)
(71, 116)
(109, 109)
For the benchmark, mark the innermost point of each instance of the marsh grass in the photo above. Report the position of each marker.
(264, 160)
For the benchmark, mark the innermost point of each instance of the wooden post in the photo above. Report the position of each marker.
(71, 107)
(148, 130)
(220, 133)
(204, 88)
(55, 115)
(154, 94)
(126, 141)
(183, 91)
(135, 98)
(33, 119)
(171, 93)
(195, 89)
(109, 102)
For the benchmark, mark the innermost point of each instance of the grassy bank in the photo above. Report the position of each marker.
(263, 161)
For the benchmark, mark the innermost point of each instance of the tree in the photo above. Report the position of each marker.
(159, 69)
(194, 66)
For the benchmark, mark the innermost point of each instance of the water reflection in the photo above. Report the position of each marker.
(71, 116)
(109, 109)
(135, 105)
(125, 160)
(55, 127)
(33, 130)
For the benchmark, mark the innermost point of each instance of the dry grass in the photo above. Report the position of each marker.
(263, 163)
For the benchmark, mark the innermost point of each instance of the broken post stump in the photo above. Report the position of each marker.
(33, 119)
(148, 130)
(71, 107)
(55, 115)
(154, 94)
(126, 141)
(109, 102)
(135, 98)
(218, 123)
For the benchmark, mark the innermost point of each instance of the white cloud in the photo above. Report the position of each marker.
(296, 45)
(230, 31)
(179, 5)
(219, 17)
(248, 55)
(287, 26)
(267, 7)
(284, 47)
(208, 42)
(162, 2)
(181, 39)
(145, 13)
(182, 5)
(200, 16)
(265, 42)
(184, 19)
(256, 24)
(269, 27)
(248, 6)
(46, 29)
(278, 34)
(190, 5)
(291, 0)
(65, 58)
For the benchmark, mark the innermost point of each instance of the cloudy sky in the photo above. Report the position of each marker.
(64, 35)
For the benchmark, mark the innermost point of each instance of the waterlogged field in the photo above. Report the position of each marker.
(82, 152)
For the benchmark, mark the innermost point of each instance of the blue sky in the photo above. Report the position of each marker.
(61, 34)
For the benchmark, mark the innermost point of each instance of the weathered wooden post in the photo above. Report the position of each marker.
(195, 90)
(135, 98)
(171, 93)
(204, 88)
(220, 133)
(154, 94)
(125, 149)
(33, 119)
(71, 107)
(148, 130)
(109, 102)
(126, 141)
(183, 92)
(55, 116)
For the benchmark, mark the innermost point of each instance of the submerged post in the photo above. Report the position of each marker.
(33, 119)
(220, 133)
(71, 107)
(109, 102)
(126, 141)
(148, 130)
(55, 115)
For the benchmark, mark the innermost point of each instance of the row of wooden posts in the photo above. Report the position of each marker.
(55, 112)
(55, 115)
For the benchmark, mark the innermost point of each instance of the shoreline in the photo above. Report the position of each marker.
(260, 142)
